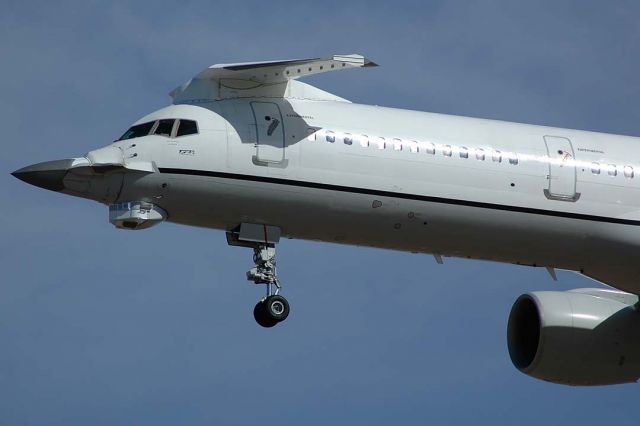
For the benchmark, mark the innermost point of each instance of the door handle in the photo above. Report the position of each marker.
(272, 126)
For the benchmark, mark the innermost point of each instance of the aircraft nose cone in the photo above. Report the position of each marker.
(47, 175)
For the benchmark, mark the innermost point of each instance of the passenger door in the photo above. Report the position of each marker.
(270, 142)
(562, 170)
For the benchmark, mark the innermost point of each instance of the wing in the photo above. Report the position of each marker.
(624, 277)
(281, 71)
(270, 78)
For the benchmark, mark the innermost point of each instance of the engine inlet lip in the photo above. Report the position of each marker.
(524, 332)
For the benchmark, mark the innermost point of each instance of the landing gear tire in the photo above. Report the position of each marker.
(271, 311)
(261, 317)
(276, 307)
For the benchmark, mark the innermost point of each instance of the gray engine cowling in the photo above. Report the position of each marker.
(580, 337)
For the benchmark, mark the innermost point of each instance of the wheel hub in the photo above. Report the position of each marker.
(277, 307)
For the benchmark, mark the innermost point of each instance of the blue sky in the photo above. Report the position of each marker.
(107, 327)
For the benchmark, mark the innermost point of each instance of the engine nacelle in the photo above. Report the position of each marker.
(580, 337)
(135, 215)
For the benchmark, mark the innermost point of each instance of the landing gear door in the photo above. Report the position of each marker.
(270, 144)
(561, 179)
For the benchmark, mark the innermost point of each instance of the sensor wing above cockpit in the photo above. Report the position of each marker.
(270, 78)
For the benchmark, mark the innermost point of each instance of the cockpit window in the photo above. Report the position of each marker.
(164, 127)
(137, 131)
(187, 127)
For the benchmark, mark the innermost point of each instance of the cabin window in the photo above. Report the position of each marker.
(413, 146)
(380, 142)
(513, 158)
(330, 137)
(595, 168)
(480, 154)
(164, 127)
(628, 172)
(137, 131)
(397, 145)
(612, 170)
(429, 148)
(464, 152)
(348, 140)
(446, 150)
(496, 156)
(187, 127)
(364, 141)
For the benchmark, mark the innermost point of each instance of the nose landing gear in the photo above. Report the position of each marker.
(273, 308)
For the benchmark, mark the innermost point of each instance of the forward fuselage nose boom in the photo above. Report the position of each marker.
(73, 177)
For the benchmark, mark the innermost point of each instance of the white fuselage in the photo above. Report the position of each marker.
(402, 180)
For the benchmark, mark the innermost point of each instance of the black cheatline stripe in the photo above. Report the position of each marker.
(390, 194)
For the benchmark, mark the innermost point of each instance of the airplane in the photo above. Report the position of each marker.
(249, 149)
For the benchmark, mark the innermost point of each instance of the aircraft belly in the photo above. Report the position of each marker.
(387, 222)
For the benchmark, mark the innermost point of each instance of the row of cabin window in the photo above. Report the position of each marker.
(447, 151)
(612, 170)
(166, 127)
(428, 147)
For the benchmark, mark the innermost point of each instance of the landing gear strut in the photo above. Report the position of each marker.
(273, 307)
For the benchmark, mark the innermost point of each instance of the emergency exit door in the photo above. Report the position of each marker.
(562, 169)
(269, 132)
